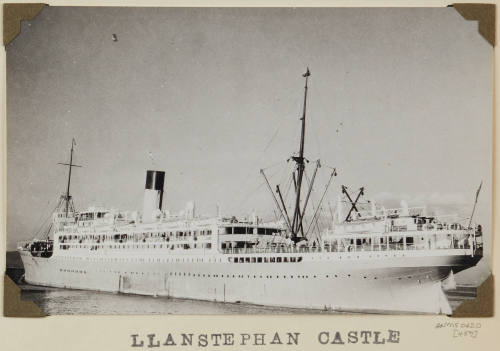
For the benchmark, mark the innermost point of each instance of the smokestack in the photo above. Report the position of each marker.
(153, 195)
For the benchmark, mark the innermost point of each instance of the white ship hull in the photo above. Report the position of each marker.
(407, 281)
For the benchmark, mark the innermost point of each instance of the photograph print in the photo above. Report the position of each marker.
(249, 160)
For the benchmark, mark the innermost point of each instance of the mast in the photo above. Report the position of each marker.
(295, 223)
(70, 165)
(299, 160)
(475, 203)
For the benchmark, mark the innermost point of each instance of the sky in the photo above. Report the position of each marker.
(400, 102)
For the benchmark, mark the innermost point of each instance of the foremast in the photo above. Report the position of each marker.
(65, 209)
(66, 198)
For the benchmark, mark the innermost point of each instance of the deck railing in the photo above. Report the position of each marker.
(375, 243)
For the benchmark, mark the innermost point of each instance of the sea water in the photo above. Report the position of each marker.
(55, 301)
(70, 302)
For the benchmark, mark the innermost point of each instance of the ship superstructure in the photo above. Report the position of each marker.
(378, 261)
(403, 228)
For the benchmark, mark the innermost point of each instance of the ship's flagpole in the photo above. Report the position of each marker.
(475, 203)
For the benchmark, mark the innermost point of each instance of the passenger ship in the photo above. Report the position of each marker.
(377, 260)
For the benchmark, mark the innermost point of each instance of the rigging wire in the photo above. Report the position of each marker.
(248, 195)
(322, 197)
(288, 187)
(45, 221)
(273, 165)
(266, 148)
(314, 131)
(272, 138)
(42, 214)
(48, 230)
(259, 159)
(312, 201)
(332, 211)
(286, 173)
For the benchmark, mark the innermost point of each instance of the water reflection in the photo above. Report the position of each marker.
(69, 302)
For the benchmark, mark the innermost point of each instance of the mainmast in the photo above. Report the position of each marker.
(295, 223)
(300, 161)
(67, 196)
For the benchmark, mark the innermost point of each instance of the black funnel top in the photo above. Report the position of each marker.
(155, 180)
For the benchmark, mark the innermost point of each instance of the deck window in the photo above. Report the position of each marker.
(239, 230)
